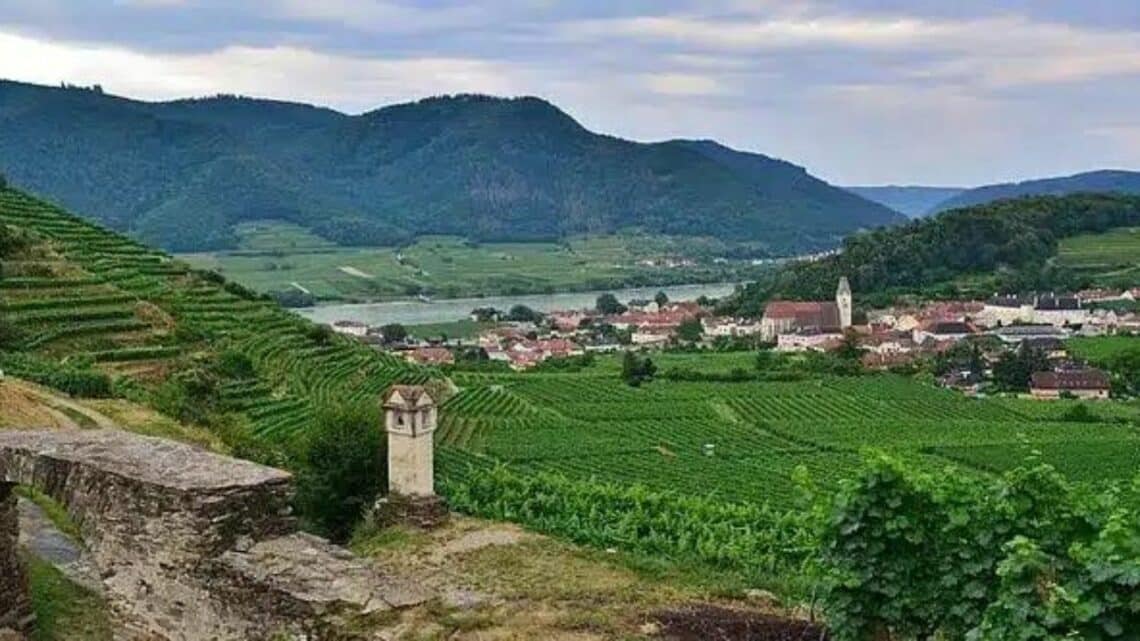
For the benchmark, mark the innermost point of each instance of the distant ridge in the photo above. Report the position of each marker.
(1102, 181)
(914, 201)
(181, 174)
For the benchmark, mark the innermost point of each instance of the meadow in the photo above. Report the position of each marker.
(275, 256)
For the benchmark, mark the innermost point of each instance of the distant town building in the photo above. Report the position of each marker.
(350, 328)
(430, 356)
(1016, 334)
(943, 332)
(1085, 383)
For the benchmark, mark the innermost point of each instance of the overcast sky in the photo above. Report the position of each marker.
(946, 92)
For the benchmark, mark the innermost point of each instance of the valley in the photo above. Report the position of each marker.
(275, 257)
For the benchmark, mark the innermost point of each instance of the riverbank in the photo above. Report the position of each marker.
(414, 312)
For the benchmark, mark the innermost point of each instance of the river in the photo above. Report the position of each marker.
(415, 312)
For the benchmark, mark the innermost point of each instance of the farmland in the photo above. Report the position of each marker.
(745, 441)
(85, 300)
(275, 256)
(86, 303)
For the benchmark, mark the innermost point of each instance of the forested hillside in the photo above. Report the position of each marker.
(1013, 242)
(913, 201)
(181, 174)
(1107, 181)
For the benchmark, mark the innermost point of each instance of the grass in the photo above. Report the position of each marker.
(64, 610)
(278, 256)
(55, 512)
(1102, 348)
(533, 587)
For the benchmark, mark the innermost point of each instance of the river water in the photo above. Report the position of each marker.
(416, 312)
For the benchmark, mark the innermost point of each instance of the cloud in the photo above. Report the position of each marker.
(681, 84)
(347, 82)
(857, 90)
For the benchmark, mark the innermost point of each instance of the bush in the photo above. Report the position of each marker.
(1027, 557)
(343, 469)
(235, 365)
(189, 396)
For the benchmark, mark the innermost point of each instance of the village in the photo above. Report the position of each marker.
(895, 338)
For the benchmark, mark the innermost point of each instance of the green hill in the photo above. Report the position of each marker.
(182, 174)
(912, 200)
(1009, 245)
(1104, 181)
(95, 314)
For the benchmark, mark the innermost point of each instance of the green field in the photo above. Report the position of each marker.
(277, 256)
(1101, 349)
(1112, 258)
(589, 425)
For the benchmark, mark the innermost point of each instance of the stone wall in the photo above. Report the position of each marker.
(15, 608)
(192, 545)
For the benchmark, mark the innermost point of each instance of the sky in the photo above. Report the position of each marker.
(940, 92)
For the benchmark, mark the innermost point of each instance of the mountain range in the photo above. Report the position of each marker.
(182, 174)
(913, 201)
(918, 201)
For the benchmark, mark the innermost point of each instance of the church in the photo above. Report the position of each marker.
(787, 317)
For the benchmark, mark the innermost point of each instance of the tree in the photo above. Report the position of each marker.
(765, 360)
(662, 299)
(343, 468)
(608, 304)
(394, 333)
(636, 370)
(1014, 369)
(849, 349)
(524, 314)
(3, 182)
(485, 314)
(690, 330)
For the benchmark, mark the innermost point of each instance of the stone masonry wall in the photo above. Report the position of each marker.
(15, 608)
(181, 538)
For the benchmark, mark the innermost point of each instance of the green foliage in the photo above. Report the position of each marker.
(690, 330)
(234, 364)
(661, 298)
(189, 396)
(636, 370)
(1027, 556)
(924, 255)
(524, 314)
(344, 468)
(475, 166)
(75, 379)
(746, 538)
(293, 297)
(1015, 368)
(394, 332)
(608, 304)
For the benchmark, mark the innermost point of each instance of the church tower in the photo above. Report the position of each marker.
(843, 301)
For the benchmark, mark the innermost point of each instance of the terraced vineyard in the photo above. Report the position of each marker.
(744, 441)
(82, 294)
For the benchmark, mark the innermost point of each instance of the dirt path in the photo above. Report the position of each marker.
(26, 405)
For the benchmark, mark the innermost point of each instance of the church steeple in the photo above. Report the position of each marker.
(843, 301)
